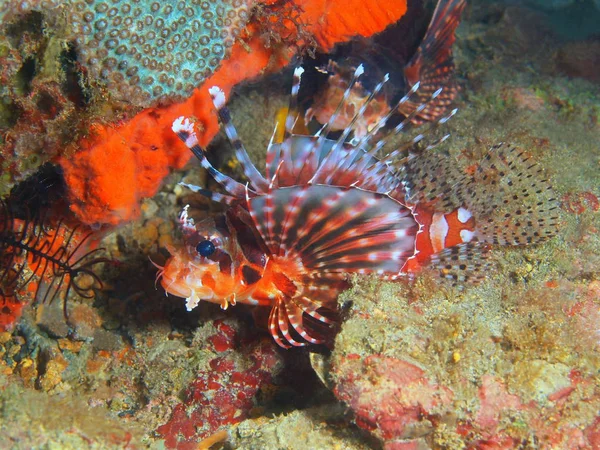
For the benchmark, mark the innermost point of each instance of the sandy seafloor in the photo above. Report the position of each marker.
(511, 363)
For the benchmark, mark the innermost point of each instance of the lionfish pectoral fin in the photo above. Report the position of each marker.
(463, 263)
(298, 321)
(432, 64)
(333, 230)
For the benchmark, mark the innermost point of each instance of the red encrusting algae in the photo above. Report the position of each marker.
(222, 395)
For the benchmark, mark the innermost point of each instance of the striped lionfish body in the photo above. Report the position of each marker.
(325, 208)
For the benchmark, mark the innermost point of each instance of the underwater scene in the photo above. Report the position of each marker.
(300, 224)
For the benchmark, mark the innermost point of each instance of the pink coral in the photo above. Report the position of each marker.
(390, 397)
(223, 394)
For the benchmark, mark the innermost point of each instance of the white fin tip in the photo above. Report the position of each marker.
(182, 124)
(218, 96)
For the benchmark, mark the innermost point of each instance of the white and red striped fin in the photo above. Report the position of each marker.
(433, 66)
(333, 230)
(291, 325)
(463, 263)
(184, 129)
(257, 181)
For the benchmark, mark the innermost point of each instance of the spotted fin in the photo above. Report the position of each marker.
(434, 179)
(463, 263)
(432, 64)
(506, 192)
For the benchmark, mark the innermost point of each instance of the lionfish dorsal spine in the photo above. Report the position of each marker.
(259, 183)
(332, 158)
(184, 129)
(345, 165)
(292, 113)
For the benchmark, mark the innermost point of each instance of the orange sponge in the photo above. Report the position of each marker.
(334, 21)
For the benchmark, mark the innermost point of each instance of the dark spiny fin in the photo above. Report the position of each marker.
(463, 263)
(506, 192)
(257, 181)
(511, 198)
(432, 64)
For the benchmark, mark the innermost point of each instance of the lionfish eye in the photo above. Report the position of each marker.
(205, 248)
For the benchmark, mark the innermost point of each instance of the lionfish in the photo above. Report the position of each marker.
(431, 65)
(326, 208)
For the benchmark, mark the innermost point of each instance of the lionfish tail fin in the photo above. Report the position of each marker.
(432, 64)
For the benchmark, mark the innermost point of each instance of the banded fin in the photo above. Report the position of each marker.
(463, 263)
(183, 127)
(335, 230)
(257, 181)
(432, 64)
(319, 234)
(291, 325)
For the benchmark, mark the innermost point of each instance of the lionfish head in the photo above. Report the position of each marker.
(202, 268)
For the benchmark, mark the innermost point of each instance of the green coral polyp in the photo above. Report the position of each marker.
(149, 51)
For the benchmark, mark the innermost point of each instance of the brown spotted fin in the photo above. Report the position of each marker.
(506, 193)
